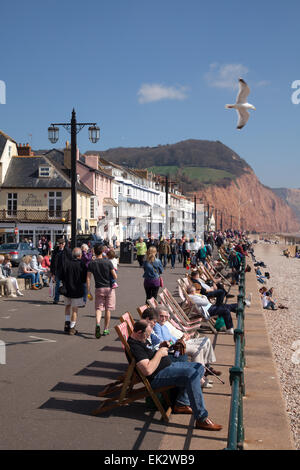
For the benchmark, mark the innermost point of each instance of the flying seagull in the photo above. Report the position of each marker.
(241, 104)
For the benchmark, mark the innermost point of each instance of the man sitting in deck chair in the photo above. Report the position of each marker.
(161, 371)
(210, 310)
(216, 291)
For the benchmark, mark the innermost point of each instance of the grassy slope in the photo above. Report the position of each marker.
(202, 174)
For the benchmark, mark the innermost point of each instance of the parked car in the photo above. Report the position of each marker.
(90, 239)
(17, 251)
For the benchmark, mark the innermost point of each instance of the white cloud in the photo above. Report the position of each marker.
(157, 92)
(226, 75)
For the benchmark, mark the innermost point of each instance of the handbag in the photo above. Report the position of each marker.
(161, 281)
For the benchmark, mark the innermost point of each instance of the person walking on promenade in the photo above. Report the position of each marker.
(141, 250)
(163, 251)
(161, 372)
(152, 272)
(105, 297)
(58, 260)
(86, 257)
(73, 277)
(173, 252)
(152, 242)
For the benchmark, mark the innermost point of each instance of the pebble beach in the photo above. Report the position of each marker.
(283, 325)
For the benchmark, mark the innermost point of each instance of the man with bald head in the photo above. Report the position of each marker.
(73, 278)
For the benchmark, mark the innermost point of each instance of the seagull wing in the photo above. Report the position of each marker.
(243, 93)
(243, 117)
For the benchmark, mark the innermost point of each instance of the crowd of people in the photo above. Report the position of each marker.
(69, 273)
(154, 335)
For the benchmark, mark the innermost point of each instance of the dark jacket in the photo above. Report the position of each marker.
(73, 277)
(58, 260)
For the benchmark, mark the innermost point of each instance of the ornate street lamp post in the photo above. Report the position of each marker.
(74, 127)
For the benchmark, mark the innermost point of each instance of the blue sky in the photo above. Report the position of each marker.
(155, 72)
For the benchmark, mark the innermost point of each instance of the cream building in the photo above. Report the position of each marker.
(35, 196)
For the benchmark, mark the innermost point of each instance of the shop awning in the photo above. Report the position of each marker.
(108, 201)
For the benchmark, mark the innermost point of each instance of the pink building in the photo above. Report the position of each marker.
(100, 183)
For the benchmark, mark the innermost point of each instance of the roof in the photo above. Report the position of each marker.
(23, 172)
(3, 139)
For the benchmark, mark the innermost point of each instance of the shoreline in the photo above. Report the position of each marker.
(283, 324)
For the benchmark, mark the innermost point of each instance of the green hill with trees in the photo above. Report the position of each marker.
(194, 162)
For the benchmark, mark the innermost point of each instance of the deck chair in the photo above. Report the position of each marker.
(152, 302)
(130, 321)
(212, 272)
(175, 319)
(141, 309)
(125, 392)
(210, 323)
(178, 311)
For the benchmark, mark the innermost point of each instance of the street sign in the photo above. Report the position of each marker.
(16, 230)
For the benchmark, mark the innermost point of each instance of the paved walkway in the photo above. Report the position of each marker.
(50, 382)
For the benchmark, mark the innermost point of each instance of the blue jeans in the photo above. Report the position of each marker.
(35, 277)
(224, 311)
(57, 286)
(163, 259)
(186, 376)
(173, 259)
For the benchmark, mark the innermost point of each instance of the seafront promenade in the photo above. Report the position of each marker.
(50, 381)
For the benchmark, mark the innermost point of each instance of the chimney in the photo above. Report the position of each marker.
(91, 161)
(67, 155)
(24, 150)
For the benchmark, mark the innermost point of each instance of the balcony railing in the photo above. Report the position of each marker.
(29, 215)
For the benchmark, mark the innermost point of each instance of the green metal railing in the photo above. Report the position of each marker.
(235, 439)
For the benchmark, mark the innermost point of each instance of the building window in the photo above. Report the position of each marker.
(92, 208)
(55, 204)
(12, 204)
(44, 171)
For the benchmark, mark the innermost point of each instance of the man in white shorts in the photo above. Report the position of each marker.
(74, 278)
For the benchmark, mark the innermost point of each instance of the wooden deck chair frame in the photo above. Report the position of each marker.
(129, 319)
(175, 319)
(180, 314)
(152, 302)
(209, 274)
(194, 308)
(126, 390)
(141, 309)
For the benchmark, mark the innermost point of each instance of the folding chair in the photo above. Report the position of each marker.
(177, 311)
(126, 392)
(141, 309)
(175, 319)
(130, 321)
(193, 308)
(210, 275)
(152, 302)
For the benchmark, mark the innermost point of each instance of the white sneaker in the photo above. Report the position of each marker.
(230, 331)
(19, 293)
(12, 295)
(207, 384)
